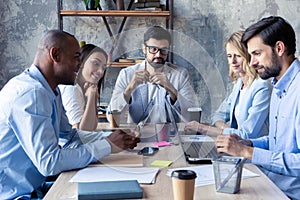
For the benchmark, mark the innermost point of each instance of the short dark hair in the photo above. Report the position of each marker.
(158, 33)
(55, 37)
(272, 29)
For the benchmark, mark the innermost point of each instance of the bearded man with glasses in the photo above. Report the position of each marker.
(153, 91)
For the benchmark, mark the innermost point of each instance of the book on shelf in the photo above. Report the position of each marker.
(126, 60)
(131, 60)
(150, 9)
(147, 4)
(139, 60)
(128, 189)
(144, 1)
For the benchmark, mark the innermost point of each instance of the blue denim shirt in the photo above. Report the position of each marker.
(32, 121)
(254, 110)
(279, 153)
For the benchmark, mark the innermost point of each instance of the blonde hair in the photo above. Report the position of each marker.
(235, 41)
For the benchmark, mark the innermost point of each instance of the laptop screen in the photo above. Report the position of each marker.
(198, 148)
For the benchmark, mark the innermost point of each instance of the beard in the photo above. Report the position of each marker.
(157, 64)
(270, 71)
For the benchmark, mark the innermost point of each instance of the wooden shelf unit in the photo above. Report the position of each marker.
(168, 15)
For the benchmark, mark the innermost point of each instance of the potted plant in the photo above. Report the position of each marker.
(91, 4)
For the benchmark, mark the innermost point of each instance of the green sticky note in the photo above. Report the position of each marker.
(161, 163)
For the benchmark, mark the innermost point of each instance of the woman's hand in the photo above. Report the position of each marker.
(91, 89)
(197, 127)
(191, 126)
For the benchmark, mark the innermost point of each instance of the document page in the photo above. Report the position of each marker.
(205, 174)
(144, 175)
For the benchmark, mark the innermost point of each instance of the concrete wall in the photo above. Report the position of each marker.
(200, 29)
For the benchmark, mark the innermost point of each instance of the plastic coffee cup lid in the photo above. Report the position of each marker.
(184, 174)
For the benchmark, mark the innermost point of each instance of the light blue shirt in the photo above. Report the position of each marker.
(279, 153)
(252, 121)
(31, 121)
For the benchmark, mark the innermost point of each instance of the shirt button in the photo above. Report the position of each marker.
(275, 117)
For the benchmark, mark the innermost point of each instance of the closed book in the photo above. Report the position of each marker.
(147, 4)
(150, 9)
(129, 189)
(126, 60)
(144, 1)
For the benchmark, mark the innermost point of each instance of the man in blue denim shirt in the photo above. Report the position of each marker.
(33, 120)
(271, 43)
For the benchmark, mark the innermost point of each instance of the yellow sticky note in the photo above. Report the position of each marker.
(161, 163)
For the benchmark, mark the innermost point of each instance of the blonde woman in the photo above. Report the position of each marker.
(80, 100)
(245, 111)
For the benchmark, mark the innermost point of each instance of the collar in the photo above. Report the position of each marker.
(282, 85)
(34, 72)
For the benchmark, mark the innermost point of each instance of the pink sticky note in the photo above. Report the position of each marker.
(162, 143)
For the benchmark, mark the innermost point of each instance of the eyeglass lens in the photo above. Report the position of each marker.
(154, 50)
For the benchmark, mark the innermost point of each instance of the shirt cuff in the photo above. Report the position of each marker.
(262, 157)
(258, 143)
(99, 149)
(227, 131)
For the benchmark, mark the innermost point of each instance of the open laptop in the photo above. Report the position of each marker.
(198, 149)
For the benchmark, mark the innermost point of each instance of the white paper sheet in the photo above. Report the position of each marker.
(205, 174)
(144, 175)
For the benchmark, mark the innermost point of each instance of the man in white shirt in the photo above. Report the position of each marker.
(153, 89)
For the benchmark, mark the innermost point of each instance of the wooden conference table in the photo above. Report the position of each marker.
(251, 188)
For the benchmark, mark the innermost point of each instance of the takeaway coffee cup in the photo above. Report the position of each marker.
(114, 118)
(183, 183)
(194, 114)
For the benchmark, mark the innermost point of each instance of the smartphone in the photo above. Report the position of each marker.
(148, 151)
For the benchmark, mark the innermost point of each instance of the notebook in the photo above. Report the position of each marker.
(110, 190)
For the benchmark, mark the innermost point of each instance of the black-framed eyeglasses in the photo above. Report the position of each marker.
(154, 50)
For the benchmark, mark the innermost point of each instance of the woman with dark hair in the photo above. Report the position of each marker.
(245, 111)
(80, 100)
